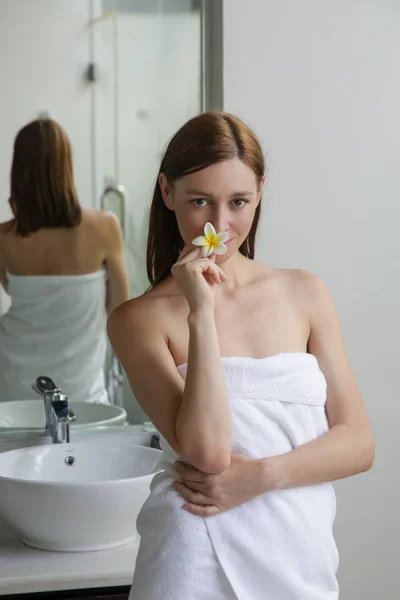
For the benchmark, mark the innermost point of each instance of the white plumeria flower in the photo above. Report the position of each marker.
(211, 241)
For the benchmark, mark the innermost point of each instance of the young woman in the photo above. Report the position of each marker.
(64, 269)
(242, 368)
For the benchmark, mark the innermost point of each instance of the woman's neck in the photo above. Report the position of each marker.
(237, 271)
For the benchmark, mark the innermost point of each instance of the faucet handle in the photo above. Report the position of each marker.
(44, 385)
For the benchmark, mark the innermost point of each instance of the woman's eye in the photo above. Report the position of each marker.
(239, 202)
(199, 201)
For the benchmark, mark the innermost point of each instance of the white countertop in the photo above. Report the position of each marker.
(27, 570)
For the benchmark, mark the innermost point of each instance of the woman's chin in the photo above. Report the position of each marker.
(222, 258)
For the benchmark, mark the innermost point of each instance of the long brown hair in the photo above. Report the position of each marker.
(207, 139)
(43, 192)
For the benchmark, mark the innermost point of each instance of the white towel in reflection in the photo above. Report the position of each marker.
(56, 326)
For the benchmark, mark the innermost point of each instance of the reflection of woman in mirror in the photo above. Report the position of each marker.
(63, 267)
(242, 369)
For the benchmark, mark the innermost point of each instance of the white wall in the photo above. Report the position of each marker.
(44, 51)
(320, 84)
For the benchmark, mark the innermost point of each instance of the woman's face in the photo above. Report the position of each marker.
(226, 194)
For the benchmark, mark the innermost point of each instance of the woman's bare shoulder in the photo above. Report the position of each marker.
(100, 219)
(306, 282)
(303, 287)
(309, 291)
(290, 276)
(151, 311)
(103, 228)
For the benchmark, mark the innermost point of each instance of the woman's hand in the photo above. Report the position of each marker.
(197, 277)
(209, 495)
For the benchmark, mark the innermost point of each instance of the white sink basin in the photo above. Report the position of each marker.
(29, 414)
(21, 438)
(76, 497)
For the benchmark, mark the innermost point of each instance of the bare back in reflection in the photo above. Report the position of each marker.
(63, 267)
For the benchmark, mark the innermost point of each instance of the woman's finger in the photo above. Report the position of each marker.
(192, 256)
(188, 253)
(202, 511)
(195, 497)
(195, 486)
(208, 269)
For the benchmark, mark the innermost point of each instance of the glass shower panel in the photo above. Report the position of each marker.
(147, 57)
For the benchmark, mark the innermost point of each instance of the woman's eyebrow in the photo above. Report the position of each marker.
(198, 193)
(208, 195)
(241, 194)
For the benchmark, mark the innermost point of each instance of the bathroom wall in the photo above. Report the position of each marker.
(320, 83)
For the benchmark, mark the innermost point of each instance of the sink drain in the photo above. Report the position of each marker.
(70, 460)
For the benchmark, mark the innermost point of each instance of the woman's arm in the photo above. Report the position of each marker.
(339, 453)
(204, 417)
(194, 417)
(117, 282)
(348, 447)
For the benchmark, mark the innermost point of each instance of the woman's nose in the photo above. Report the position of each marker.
(221, 221)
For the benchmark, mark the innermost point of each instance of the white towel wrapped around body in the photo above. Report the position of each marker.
(279, 545)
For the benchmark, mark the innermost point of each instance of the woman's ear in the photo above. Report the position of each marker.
(166, 191)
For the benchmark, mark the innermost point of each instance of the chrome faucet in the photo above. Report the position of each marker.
(58, 416)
